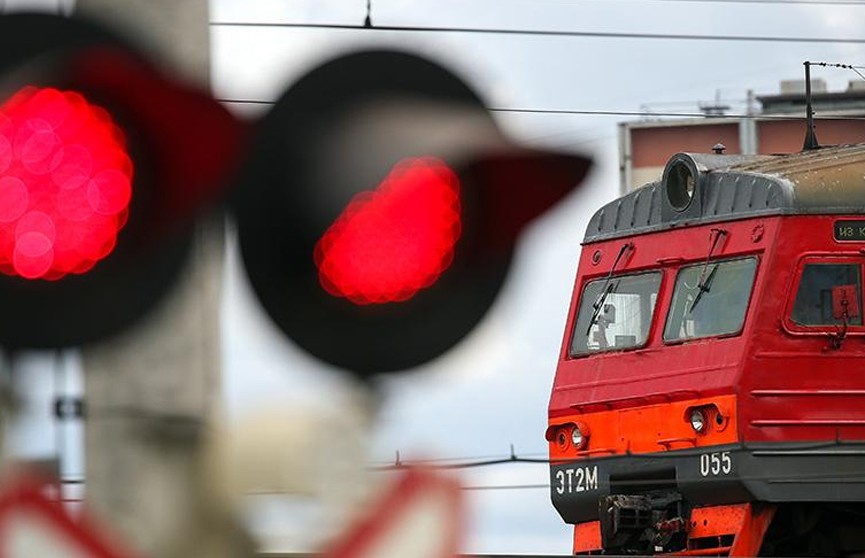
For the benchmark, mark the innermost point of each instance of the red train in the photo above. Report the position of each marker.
(709, 397)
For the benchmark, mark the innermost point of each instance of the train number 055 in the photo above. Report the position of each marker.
(579, 479)
(715, 464)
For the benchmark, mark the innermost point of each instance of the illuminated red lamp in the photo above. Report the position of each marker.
(389, 244)
(380, 207)
(65, 184)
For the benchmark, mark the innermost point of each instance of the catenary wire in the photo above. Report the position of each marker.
(542, 32)
(669, 114)
(781, 2)
(642, 114)
(475, 458)
(850, 67)
(506, 487)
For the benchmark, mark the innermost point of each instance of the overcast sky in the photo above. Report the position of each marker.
(492, 390)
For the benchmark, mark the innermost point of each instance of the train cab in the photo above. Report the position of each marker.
(709, 397)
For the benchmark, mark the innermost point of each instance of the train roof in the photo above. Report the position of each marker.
(704, 188)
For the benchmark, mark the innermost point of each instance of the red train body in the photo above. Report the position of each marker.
(710, 393)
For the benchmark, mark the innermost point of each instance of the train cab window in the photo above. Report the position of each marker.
(710, 300)
(615, 314)
(828, 291)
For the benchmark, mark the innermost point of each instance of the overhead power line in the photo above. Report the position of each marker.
(669, 114)
(850, 67)
(639, 114)
(474, 464)
(793, 2)
(461, 462)
(462, 459)
(506, 487)
(544, 32)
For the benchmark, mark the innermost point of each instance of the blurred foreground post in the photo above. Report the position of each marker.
(152, 391)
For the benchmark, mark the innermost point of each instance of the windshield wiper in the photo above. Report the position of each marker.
(610, 288)
(704, 287)
(607, 288)
(705, 282)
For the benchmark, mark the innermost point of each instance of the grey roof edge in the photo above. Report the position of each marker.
(732, 187)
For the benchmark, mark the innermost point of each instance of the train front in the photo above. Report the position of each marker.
(640, 419)
(708, 398)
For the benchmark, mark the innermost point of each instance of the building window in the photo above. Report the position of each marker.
(819, 285)
(615, 314)
(710, 300)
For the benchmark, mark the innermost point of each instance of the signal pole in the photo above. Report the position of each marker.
(152, 392)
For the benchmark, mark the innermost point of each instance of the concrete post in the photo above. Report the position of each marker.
(152, 392)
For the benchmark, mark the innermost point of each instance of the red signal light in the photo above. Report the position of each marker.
(389, 244)
(416, 263)
(65, 184)
(84, 251)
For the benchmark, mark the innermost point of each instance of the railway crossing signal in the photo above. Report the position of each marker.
(103, 163)
(380, 207)
(377, 210)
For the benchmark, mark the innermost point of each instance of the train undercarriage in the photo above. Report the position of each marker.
(661, 524)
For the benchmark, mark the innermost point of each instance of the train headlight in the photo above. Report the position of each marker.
(698, 420)
(580, 436)
(577, 437)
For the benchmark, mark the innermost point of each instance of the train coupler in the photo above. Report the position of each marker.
(643, 524)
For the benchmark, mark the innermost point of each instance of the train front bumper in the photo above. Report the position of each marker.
(788, 472)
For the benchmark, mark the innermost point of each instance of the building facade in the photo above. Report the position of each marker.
(645, 146)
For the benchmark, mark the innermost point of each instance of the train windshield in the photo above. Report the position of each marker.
(829, 293)
(615, 314)
(710, 300)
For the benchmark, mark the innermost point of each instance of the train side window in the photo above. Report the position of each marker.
(710, 300)
(814, 304)
(615, 314)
